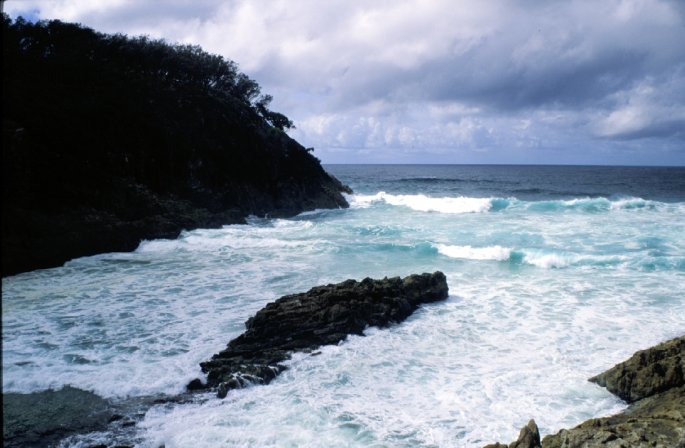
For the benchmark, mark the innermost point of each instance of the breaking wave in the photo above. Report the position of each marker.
(557, 260)
(465, 204)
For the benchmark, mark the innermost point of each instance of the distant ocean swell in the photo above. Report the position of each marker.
(550, 259)
(463, 204)
(590, 250)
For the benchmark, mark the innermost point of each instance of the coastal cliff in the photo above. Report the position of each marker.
(108, 140)
(653, 382)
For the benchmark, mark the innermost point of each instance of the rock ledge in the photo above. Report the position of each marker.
(303, 322)
(652, 381)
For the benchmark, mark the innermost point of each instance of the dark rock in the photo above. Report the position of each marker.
(195, 384)
(647, 372)
(529, 437)
(652, 380)
(42, 418)
(323, 315)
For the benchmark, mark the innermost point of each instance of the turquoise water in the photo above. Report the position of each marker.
(555, 274)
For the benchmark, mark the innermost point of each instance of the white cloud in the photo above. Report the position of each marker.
(651, 108)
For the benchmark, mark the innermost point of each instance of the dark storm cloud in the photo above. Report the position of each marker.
(462, 78)
(662, 129)
(556, 85)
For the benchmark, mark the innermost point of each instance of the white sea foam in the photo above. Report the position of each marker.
(233, 237)
(464, 204)
(425, 203)
(449, 376)
(634, 203)
(581, 289)
(475, 253)
(549, 260)
(541, 259)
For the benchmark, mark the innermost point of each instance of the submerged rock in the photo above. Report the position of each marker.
(75, 417)
(323, 315)
(42, 418)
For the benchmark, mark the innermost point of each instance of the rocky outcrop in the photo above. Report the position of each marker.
(529, 437)
(657, 421)
(647, 372)
(652, 381)
(148, 140)
(303, 322)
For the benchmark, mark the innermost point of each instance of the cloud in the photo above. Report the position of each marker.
(649, 109)
(444, 77)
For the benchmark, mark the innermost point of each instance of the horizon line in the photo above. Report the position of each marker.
(507, 164)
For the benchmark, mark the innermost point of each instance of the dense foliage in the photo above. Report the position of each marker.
(139, 59)
(132, 106)
(130, 129)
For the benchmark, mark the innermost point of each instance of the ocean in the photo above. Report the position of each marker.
(555, 274)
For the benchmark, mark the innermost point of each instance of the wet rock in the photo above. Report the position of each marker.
(657, 421)
(529, 437)
(652, 380)
(323, 315)
(195, 384)
(647, 372)
(42, 418)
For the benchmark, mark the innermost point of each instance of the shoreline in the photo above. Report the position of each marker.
(652, 381)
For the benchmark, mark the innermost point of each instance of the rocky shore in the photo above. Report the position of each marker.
(299, 322)
(52, 418)
(653, 382)
(303, 322)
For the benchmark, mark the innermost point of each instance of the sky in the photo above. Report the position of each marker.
(441, 81)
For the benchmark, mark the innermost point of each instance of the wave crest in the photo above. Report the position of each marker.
(423, 203)
(533, 257)
(497, 253)
(465, 204)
